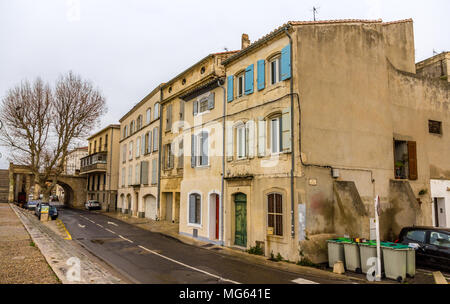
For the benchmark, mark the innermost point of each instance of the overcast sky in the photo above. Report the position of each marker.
(128, 47)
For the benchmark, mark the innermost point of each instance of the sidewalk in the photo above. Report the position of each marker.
(62, 255)
(21, 262)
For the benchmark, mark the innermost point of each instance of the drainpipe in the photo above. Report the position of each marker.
(223, 164)
(110, 169)
(158, 200)
(286, 30)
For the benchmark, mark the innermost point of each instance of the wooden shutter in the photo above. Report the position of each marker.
(286, 130)
(155, 139)
(211, 101)
(229, 141)
(144, 172)
(261, 137)
(171, 156)
(181, 109)
(154, 171)
(286, 62)
(261, 76)
(169, 117)
(193, 146)
(250, 138)
(181, 154)
(249, 80)
(143, 144)
(230, 90)
(412, 160)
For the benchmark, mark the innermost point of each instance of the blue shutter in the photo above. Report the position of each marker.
(230, 90)
(286, 62)
(249, 80)
(192, 208)
(261, 78)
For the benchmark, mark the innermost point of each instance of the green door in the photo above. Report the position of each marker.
(240, 207)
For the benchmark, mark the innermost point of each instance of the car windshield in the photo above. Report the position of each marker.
(440, 239)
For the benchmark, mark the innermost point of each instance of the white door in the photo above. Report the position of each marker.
(150, 207)
(441, 212)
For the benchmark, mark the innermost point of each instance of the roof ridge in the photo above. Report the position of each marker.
(336, 21)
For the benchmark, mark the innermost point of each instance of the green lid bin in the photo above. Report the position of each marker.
(352, 257)
(368, 250)
(335, 252)
(395, 260)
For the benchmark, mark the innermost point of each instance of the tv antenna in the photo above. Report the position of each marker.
(315, 11)
(225, 48)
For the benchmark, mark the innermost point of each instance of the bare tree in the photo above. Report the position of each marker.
(40, 124)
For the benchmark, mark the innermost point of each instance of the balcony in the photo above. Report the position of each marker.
(93, 163)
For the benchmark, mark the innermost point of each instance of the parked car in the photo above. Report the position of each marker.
(52, 212)
(31, 205)
(91, 204)
(433, 245)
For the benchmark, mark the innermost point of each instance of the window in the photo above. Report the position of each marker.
(148, 147)
(106, 142)
(180, 154)
(240, 140)
(100, 145)
(130, 151)
(124, 153)
(130, 174)
(125, 131)
(148, 115)
(156, 111)
(98, 182)
(139, 122)
(435, 127)
(416, 235)
(168, 156)
(275, 213)
(240, 85)
(169, 118)
(138, 146)
(155, 139)
(194, 208)
(203, 140)
(132, 127)
(204, 103)
(199, 150)
(123, 177)
(137, 175)
(440, 239)
(95, 146)
(405, 160)
(275, 70)
(154, 171)
(275, 135)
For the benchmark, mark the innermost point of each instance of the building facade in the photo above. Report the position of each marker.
(139, 158)
(72, 164)
(101, 167)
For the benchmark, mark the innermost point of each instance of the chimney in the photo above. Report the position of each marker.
(245, 41)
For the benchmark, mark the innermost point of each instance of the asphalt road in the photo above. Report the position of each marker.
(147, 257)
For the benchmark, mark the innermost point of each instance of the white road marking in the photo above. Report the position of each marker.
(100, 225)
(303, 281)
(110, 230)
(125, 239)
(187, 266)
(81, 226)
(112, 223)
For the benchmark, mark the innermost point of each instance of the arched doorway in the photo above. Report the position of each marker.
(128, 207)
(150, 207)
(240, 219)
(122, 202)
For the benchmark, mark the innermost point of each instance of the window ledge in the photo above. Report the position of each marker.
(195, 225)
(274, 87)
(276, 238)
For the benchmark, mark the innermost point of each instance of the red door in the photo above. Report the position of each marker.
(217, 217)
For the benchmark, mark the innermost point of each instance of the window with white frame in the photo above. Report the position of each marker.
(240, 85)
(275, 213)
(195, 206)
(148, 115)
(199, 149)
(274, 67)
(275, 135)
(130, 150)
(124, 153)
(132, 124)
(240, 141)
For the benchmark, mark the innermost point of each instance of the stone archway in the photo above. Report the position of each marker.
(150, 207)
(128, 204)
